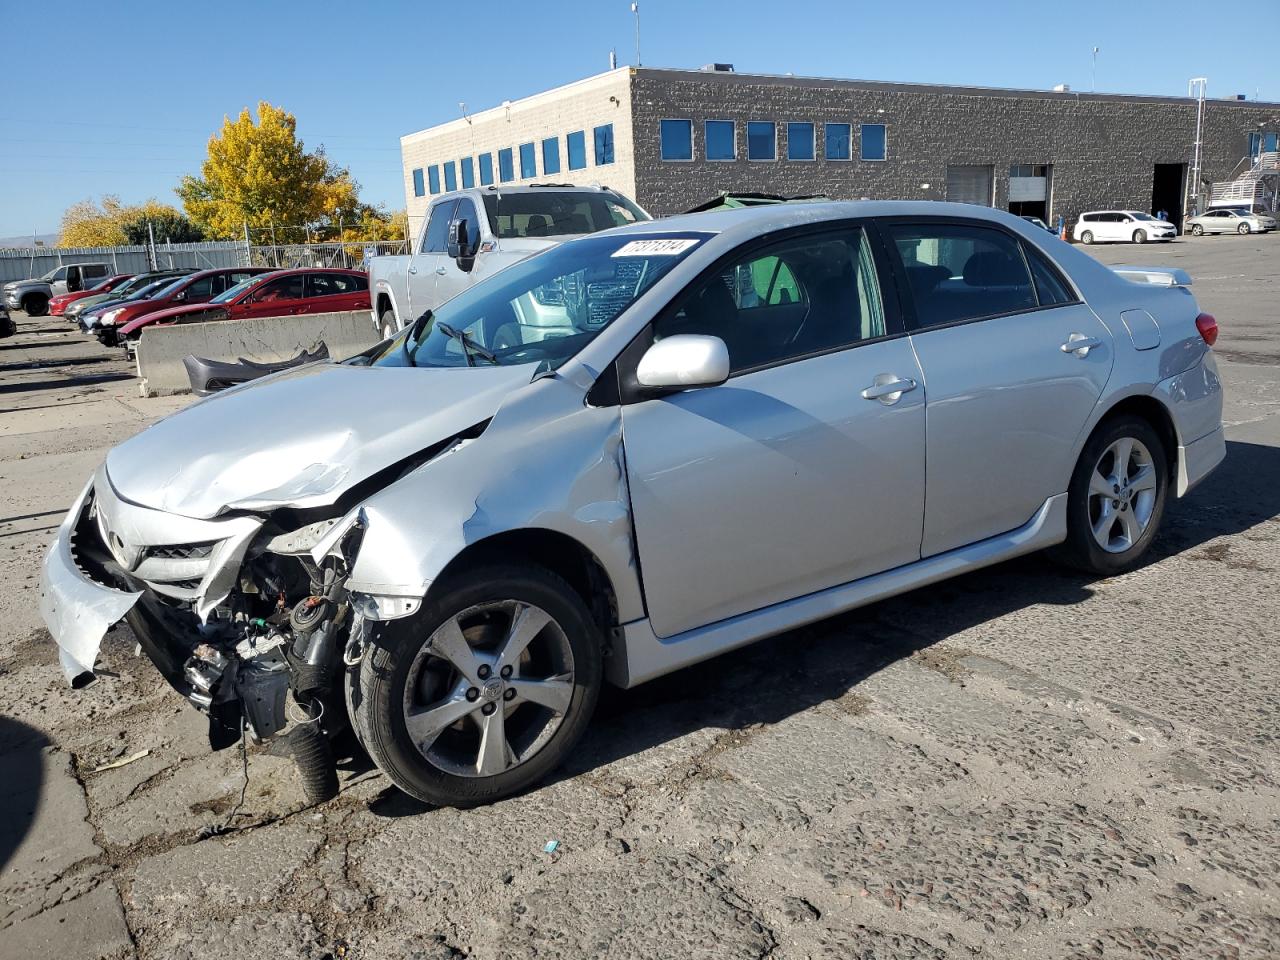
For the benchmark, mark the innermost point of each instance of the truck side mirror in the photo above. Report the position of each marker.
(460, 247)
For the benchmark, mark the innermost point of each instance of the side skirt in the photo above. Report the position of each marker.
(642, 655)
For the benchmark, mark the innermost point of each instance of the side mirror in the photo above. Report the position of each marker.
(684, 360)
(180, 296)
(460, 246)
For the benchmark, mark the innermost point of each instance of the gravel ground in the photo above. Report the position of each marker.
(1017, 763)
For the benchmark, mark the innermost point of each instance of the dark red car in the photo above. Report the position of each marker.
(194, 288)
(276, 294)
(59, 304)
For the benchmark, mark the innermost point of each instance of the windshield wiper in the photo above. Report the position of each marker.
(469, 346)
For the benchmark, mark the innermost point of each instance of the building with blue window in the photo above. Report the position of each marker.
(672, 139)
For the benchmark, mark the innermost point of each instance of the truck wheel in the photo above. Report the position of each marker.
(485, 690)
(387, 323)
(35, 304)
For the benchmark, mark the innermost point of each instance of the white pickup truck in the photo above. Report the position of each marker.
(469, 235)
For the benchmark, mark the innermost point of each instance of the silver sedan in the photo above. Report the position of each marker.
(747, 421)
(1229, 220)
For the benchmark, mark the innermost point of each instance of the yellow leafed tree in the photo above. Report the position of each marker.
(86, 224)
(258, 173)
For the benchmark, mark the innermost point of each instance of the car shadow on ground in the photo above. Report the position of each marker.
(21, 783)
(776, 678)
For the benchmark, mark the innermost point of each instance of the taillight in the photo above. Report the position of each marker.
(1208, 328)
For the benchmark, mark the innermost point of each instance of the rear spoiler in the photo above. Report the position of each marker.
(1156, 276)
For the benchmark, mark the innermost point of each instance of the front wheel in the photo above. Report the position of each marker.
(1139, 236)
(1116, 498)
(1197, 230)
(1086, 237)
(35, 305)
(485, 690)
(387, 323)
(1243, 229)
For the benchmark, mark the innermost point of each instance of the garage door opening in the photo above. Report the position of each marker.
(1029, 190)
(971, 184)
(1166, 191)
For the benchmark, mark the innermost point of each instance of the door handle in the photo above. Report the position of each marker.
(1080, 345)
(440, 271)
(413, 270)
(888, 388)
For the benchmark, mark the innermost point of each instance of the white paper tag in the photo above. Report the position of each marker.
(654, 248)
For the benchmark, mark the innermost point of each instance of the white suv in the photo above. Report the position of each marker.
(1123, 226)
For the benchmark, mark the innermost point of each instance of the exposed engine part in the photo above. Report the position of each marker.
(262, 684)
(203, 670)
(312, 753)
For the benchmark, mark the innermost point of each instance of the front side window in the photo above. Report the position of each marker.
(506, 165)
(528, 161)
(201, 289)
(800, 141)
(874, 141)
(604, 144)
(551, 155)
(486, 169)
(959, 272)
(542, 310)
(676, 139)
(762, 140)
(720, 137)
(791, 299)
(839, 138)
(433, 178)
(576, 147)
(282, 288)
(436, 237)
(468, 168)
(450, 176)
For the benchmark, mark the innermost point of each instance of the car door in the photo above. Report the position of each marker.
(453, 277)
(275, 298)
(424, 268)
(805, 469)
(331, 293)
(992, 320)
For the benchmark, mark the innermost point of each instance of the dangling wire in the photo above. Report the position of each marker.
(218, 829)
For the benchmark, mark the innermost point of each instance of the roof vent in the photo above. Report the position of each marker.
(718, 67)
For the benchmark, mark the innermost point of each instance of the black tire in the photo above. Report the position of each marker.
(1139, 236)
(1081, 550)
(1197, 230)
(1244, 229)
(387, 326)
(377, 698)
(35, 304)
(1086, 237)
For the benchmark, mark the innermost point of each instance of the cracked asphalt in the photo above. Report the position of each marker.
(1018, 763)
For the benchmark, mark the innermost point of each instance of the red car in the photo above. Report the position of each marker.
(59, 304)
(276, 294)
(194, 288)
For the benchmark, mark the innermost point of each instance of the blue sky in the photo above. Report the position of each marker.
(126, 105)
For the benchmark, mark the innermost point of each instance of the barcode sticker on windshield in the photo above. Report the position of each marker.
(654, 248)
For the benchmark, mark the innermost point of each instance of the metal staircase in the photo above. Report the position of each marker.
(1259, 184)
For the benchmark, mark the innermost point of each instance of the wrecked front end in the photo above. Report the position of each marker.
(246, 616)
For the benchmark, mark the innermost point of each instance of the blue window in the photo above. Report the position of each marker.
(874, 145)
(451, 176)
(468, 173)
(418, 189)
(762, 140)
(676, 139)
(721, 137)
(486, 169)
(433, 178)
(576, 146)
(528, 161)
(551, 155)
(800, 141)
(604, 144)
(1269, 142)
(506, 165)
(839, 141)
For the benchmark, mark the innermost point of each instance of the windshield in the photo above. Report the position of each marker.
(147, 291)
(541, 310)
(232, 292)
(169, 286)
(553, 213)
(1141, 216)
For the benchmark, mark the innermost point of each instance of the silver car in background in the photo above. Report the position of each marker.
(1230, 220)
(746, 421)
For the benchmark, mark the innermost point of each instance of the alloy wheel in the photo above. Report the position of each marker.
(1122, 495)
(489, 689)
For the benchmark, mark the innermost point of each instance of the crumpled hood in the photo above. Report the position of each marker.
(302, 437)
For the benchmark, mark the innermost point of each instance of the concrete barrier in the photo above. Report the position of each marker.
(162, 348)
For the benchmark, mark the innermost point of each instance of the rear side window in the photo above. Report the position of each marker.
(959, 272)
(792, 299)
(282, 288)
(1050, 288)
(330, 284)
(201, 289)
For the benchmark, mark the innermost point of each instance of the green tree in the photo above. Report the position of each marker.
(258, 173)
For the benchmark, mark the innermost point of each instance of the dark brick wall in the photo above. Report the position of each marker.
(1103, 149)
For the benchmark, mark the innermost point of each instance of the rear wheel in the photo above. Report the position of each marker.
(1243, 229)
(35, 304)
(1197, 230)
(1139, 236)
(1116, 498)
(1086, 237)
(484, 691)
(387, 322)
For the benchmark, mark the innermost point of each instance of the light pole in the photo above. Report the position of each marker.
(635, 9)
(1093, 78)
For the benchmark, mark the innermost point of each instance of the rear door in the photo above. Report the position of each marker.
(425, 267)
(802, 471)
(334, 292)
(989, 318)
